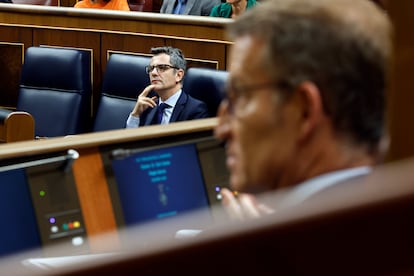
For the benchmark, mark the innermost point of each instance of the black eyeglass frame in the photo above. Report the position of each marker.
(161, 68)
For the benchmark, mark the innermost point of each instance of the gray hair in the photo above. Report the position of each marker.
(342, 46)
(177, 58)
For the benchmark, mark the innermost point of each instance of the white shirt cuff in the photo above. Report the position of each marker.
(132, 122)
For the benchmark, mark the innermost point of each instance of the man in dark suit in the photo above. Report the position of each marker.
(188, 7)
(164, 101)
(306, 122)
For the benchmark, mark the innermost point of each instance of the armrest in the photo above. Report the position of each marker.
(16, 126)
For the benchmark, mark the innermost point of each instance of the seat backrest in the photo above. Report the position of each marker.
(55, 88)
(124, 79)
(206, 85)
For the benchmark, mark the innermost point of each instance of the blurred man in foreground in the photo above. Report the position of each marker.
(306, 98)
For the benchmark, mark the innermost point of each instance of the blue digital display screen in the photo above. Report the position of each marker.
(160, 183)
(19, 230)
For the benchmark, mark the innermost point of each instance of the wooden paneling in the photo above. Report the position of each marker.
(67, 3)
(202, 53)
(94, 197)
(12, 43)
(184, 26)
(11, 59)
(15, 35)
(134, 43)
(156, 5)
(401, 93)
(138, 43)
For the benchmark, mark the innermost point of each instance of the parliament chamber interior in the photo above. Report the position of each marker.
(70, 204)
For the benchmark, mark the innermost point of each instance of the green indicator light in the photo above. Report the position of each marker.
(42, 193)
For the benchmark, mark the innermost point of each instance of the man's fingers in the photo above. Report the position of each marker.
(145, 101)
(147, 90)
(231, 204)
(243, 206)
(249, 205)
(265, 209)
(148, 101)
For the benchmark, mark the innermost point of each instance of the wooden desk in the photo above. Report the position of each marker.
(364, 228)
(359, 228)
(91, 183)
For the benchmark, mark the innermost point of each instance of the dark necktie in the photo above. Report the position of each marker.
(179, 7)
(160, 111)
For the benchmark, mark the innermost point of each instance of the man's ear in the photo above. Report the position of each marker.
(311, 107)
(179, 76)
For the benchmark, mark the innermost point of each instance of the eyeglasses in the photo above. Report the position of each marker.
(238, 95)
(160, 68)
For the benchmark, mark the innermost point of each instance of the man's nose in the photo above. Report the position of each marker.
(222, 129)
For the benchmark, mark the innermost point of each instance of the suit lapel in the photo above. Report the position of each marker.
(170, 7)
(179, 107)
(151, 116)
(189, 6)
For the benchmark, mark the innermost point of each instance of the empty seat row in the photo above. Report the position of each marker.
(56, 88)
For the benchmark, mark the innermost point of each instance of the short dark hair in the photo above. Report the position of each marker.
(177, 58)
(306, 41)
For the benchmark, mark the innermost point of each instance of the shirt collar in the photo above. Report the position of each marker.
(172, 101)
(318, 183)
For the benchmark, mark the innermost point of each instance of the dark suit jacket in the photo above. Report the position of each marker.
(187, 108)
(193, 7)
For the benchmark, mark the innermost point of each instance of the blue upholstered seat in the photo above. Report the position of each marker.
(124, 79)
(206, 85)
(55, 88)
